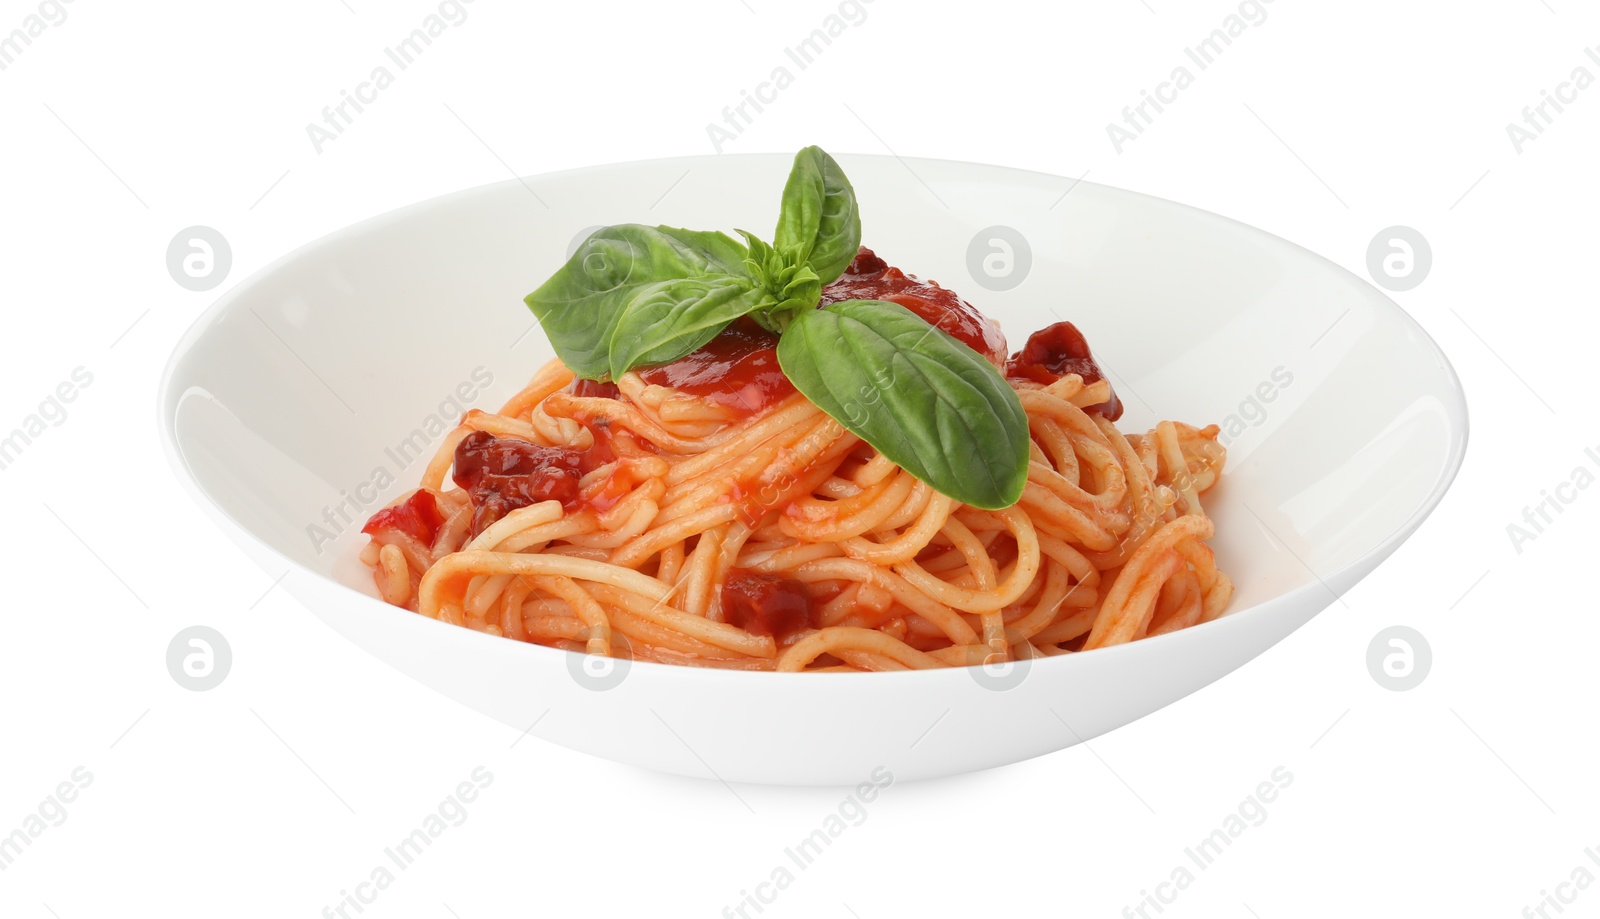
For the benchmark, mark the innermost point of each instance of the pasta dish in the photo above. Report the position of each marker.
(792, 456)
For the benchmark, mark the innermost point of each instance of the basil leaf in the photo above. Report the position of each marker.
(667, 320)
(580, 305)
(819, 224)
(923, 399)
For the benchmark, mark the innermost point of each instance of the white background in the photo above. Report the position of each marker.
(267, 796)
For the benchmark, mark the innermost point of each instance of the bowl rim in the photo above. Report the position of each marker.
(1457, 433)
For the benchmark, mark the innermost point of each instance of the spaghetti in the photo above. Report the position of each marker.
(704, 513)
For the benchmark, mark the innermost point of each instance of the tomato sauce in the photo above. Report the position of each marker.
(501, 474)
(1055, 351)
(417, 516)
(593, 389)
(737, 370)
(765, 604)
(871, 278)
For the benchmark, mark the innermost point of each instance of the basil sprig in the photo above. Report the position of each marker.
(634, 295)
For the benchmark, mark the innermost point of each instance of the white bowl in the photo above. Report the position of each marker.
(283, 406)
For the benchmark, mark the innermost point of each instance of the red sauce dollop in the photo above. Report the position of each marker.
(502, 474)
(765, 604)
(1055, 351)
(870, 278)
(737, 370)
(417, 516)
